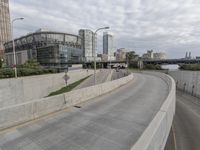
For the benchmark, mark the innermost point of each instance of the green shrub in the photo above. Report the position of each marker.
(50, 70)
(192, 67)
(25, 71)
(1, 63)
(7, 73)
(133, 64)
(152, 67)
(31, 64)
(31, 67)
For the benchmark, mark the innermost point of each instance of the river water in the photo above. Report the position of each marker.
(170, 67)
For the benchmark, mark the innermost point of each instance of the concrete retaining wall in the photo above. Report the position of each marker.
(156, 134)
(23, 112)
(188, 81)
(16, 91)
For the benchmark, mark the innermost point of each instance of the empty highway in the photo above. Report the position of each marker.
(110, 122)
(187, 122)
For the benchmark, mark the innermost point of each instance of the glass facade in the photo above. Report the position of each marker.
(59, 56)
(88, 43)
(51, 48)
(107, 43)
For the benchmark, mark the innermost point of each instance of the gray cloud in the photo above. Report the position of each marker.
(172, 26)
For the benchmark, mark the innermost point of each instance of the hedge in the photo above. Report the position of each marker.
(9, 72)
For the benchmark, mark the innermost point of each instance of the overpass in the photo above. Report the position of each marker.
(172, 61)
(104, 64)
(104, 116)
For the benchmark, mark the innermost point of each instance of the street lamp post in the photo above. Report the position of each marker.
(94, 51)
(13, 41)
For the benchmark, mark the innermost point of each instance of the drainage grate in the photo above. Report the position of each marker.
(77, 106)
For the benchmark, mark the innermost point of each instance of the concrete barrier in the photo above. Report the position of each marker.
(156, 134)
(25, 89)
(188, 81)
(23, 112)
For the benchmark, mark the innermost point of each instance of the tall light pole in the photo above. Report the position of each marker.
(14, 53)
(94, 51)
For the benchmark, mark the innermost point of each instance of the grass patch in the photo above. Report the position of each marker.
(68, 88)
(191, 67)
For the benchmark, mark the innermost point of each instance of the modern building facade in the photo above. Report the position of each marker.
(51, 49)
(5, 25)
(88, 44)
(121, 54)
(159, 56)
(148, 55)
(108, 45)
(155, 56)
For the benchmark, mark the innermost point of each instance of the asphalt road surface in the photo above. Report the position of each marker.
(187, 122)
(110, 122)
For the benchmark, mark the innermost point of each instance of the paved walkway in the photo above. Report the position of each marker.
(110, 122)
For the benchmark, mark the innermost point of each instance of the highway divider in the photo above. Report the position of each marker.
(20, 113)
(156, 134)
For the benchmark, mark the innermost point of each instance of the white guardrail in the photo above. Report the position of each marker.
(27, 111)
(156, 134)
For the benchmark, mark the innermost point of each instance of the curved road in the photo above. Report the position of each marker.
(110, 122)
(187, 122)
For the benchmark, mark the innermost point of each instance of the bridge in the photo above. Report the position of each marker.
(104, 64)
(172, 61)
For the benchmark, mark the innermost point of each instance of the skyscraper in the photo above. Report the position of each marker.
(5, 25)
(108, 45)
(88, 43)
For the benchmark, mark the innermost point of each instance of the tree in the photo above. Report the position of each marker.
(131, 56)
(1, 63)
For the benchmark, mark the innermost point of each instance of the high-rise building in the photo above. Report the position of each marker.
(88, 44)
(5, 25)
(121, 54)
(108, 45)
(188, 55)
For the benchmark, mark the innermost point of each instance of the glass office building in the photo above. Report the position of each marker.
(88, 43)
(59, 56)
(5, 27)
(49, 48)
(108, 45)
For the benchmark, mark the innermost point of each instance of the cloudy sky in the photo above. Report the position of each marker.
(171, 26)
